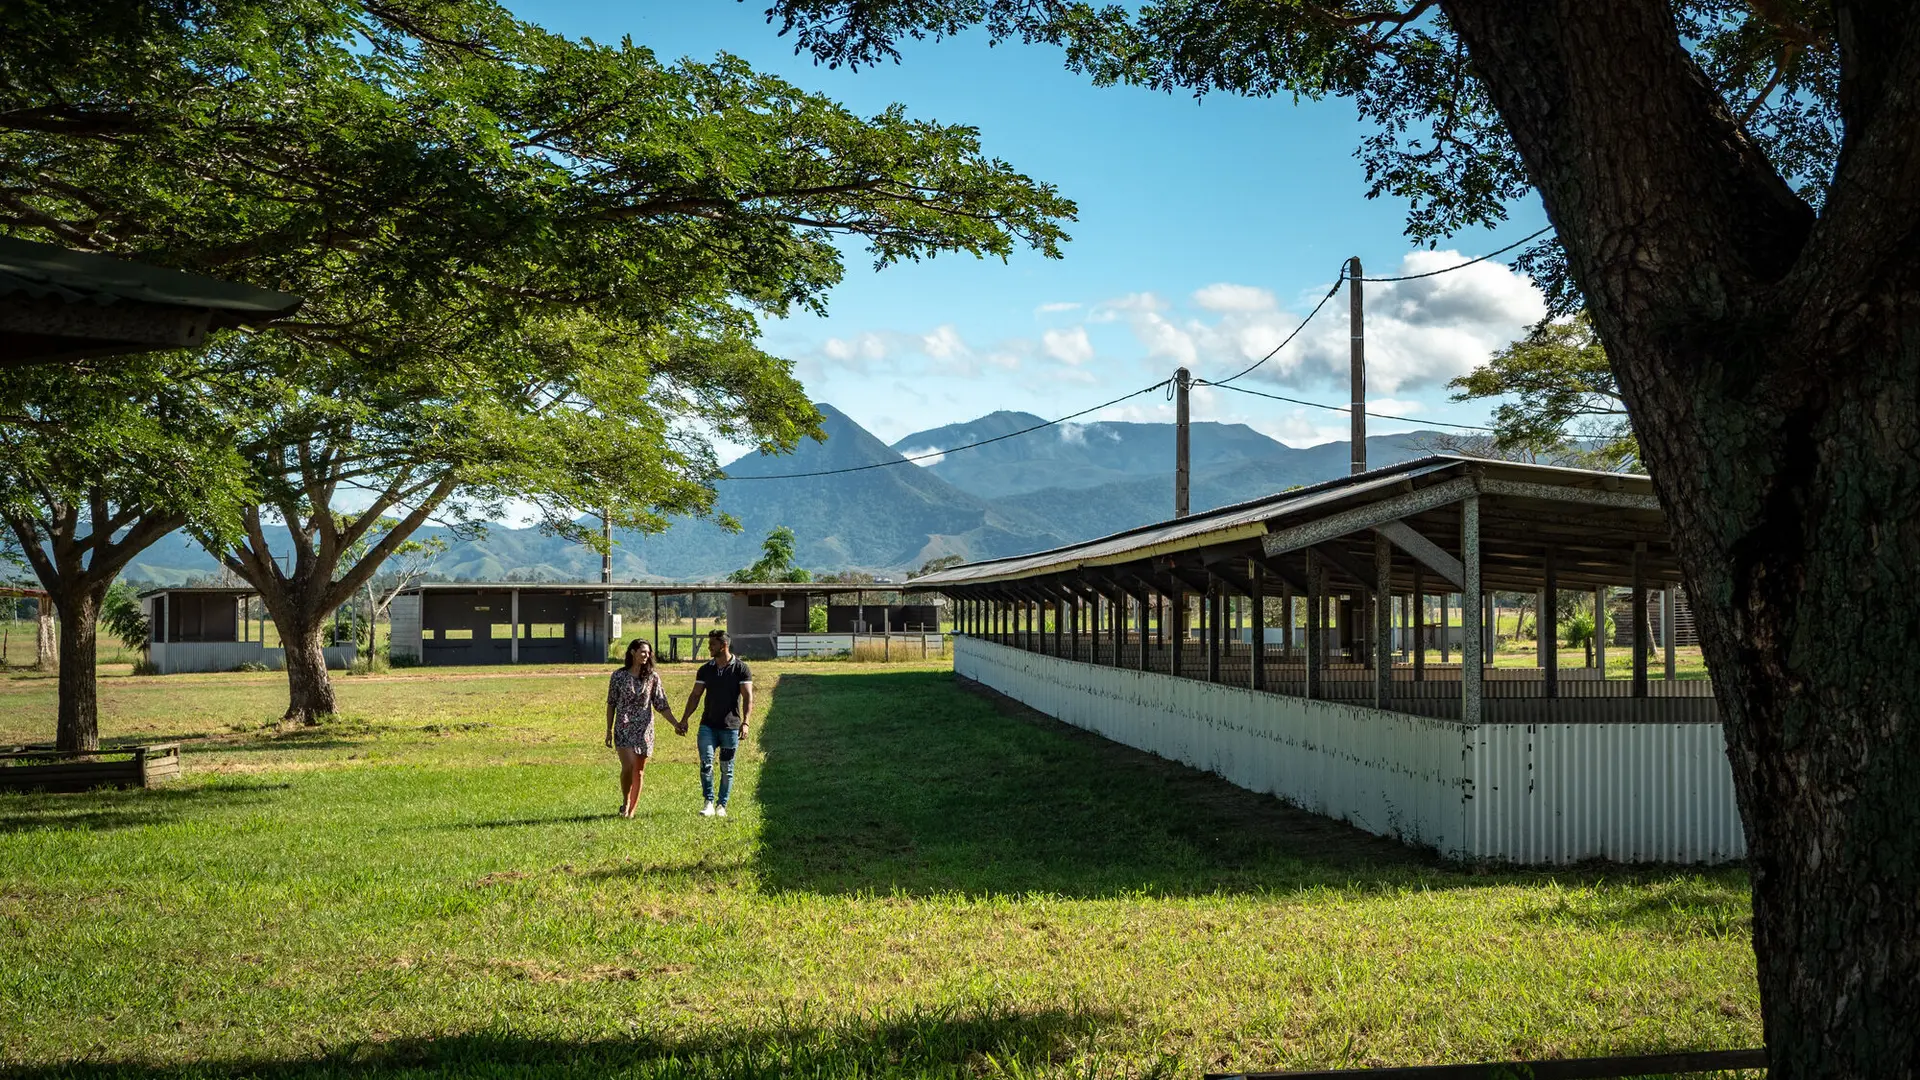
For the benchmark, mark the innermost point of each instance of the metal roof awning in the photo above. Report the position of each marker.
(1596, 523)
(57, 304)
(663, 588)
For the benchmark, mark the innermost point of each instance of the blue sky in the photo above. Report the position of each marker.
(1206, 230)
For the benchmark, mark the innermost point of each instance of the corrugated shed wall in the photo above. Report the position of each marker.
(404, 616)
(1527, 793)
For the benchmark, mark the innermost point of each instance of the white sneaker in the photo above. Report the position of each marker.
(720, 812)
(708, 810)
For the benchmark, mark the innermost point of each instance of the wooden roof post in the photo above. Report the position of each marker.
(1600, 629)
(1667, 626)
(1641, 646)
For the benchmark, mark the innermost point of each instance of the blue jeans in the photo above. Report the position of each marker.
(726, 742)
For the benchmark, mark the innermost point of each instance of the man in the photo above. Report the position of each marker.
(727, 685)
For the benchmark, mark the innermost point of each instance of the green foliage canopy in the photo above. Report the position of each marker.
(1564, 398)
(1436, 138)
(775, 562)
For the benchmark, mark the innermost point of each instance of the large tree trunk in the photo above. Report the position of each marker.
(46, 655)
(309, 688)
(1771, 362)
(78, 725)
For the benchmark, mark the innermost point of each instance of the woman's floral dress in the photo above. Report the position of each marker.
(634, 698)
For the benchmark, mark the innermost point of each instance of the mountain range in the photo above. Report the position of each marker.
(1053, 486)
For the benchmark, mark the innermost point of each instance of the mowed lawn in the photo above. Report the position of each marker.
(916, 880)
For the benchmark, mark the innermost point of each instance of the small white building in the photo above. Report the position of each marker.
(206, 628)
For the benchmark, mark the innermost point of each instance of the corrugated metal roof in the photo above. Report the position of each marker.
(1256, 517)
(46, 271)
(666, 588)
(1224, 525)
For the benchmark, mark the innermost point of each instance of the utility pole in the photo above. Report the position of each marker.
(1358, 345)
(1182, 382)
(606, 576)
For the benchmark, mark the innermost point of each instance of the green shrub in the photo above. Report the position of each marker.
(250, 665)
(402, 660)
(144, 666)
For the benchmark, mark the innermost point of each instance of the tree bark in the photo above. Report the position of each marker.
(78, 723)
(1771, 362)
(47, 648)
(309, 688)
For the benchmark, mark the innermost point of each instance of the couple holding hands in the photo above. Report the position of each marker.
(635, 693)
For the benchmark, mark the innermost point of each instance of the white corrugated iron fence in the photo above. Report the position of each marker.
(1514, 792)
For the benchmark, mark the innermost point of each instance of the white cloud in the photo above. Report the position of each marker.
(1121, 307)
(1003, 359)
(1401, 406)
(1068, 346)
(1419, 334)
(1057, 307)
(936, 458)
(860, 351)
(944, 343)
(1224, 296)
(1073, 434)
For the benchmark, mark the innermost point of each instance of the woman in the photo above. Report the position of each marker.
(632, 696)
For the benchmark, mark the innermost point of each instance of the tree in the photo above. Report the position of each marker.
(120, 614)
(775, 562)
(934, 566)
(95, 469)
(1568, 405)
(534, 268)
(1735, 193)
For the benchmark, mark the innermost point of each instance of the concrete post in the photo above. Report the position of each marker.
(1382, 622)
(1472, 675)
(1176, 633)
(1286, 623)
(1419, 624)
(1446, 644)
(1316, 629)
(1257, 640)
(1216, 633)
(1141, 609)
(513, 606)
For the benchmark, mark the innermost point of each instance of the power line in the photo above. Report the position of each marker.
(953, 450)
(1296, 333)
(1456, 266)
(1343, 278)
(1223, 383)
(1340, 408)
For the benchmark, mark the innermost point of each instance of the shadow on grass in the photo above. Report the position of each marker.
(524, 823)
(107, 809)
(903, 781)
(925, 1042)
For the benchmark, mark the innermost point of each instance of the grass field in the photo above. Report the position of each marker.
(916, 881)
